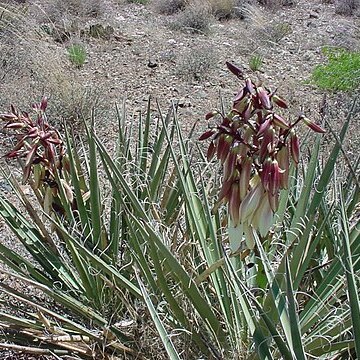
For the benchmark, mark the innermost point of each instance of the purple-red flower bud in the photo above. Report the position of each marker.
(234, 203)
(235, 70)
(207, 134)
(279, 101)
(294, 146)
(264, 98)
(210, 114)
(313, 126)
(43, 104)
(211, 151)
(281, 122)
(249, 85)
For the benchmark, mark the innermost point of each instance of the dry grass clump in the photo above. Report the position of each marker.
(169, 7)
(63, 19)
(222, 9)
(226, 9)
(32, 66)
(347, 7)
(265, 30)
(274, 4)
(57, 9)
(195, 18)
(197, 65)
(276, 31)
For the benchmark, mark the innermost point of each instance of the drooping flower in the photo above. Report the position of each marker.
(39, 143)
(255, 145)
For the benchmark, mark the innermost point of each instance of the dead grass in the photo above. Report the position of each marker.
(56, 10)
(347, 7)
(32, 66)
(169, 7)
(195, 18)
(276, 4)
(197, 65)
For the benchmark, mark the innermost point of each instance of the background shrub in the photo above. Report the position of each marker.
(197, 65)
(169, 7)
(346, 7)
(56, 10)
(223, 8)
(195, 18)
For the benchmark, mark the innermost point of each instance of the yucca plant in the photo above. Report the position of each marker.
(131, 236)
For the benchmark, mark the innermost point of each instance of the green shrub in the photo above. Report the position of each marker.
(77, 54)
(342, 71)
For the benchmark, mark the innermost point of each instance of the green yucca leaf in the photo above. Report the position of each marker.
(276, 292)
(296, 339)
(78, 184)
(22, 266)
(301, 210)
(97, 236)
(328, 169)
(183, 279)
(169, 346)
(32, 239)
(353, 292)
(255, 329)
(62, 299)
(98, 262)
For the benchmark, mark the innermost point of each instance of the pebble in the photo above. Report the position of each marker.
(313, 15)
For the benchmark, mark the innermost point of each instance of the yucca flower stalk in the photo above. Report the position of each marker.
(255, 145)
(39, 143)
(44, 152)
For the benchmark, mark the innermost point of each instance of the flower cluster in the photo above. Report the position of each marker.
(38, 142)
(255, 146)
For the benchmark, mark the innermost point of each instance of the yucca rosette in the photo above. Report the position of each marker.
(255, 146)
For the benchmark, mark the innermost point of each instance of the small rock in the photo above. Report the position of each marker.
(202, 94)
(307, 56)
(183, 103)
(152, 64)
(171, 42)
(313, 15)
(311, 24)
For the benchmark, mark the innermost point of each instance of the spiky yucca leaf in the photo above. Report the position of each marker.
(160, 243)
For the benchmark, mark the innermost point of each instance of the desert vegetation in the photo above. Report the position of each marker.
(215, 222)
